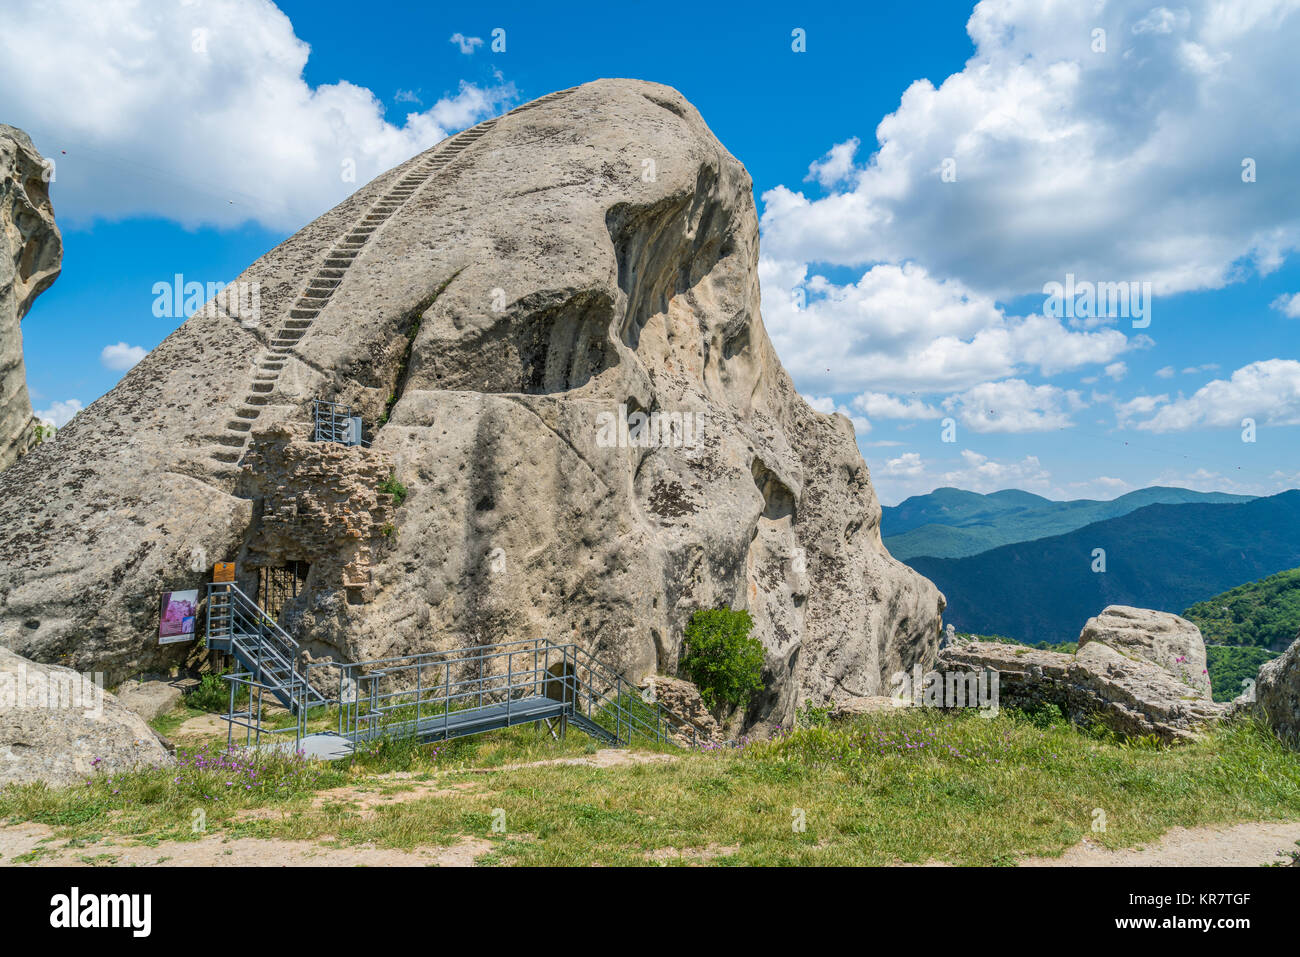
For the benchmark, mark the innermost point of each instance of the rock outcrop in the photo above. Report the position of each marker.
(1100, 684)
(1277, 694)
(682, 699)
(31, 255)
(550, 327)
(57, 727)
(1164, 640)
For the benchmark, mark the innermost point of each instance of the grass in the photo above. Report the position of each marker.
(911, 786)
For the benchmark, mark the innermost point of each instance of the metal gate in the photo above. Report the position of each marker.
(278, 585)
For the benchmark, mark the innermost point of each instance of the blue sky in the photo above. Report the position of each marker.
(190, 137)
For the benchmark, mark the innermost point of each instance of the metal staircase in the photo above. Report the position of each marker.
(238, 626)
(433, 696)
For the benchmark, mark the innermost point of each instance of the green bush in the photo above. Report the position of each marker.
(723, 661)
(213, 694)
(390, 486)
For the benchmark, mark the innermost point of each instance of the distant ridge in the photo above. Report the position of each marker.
(1165, 557)
(953, 523)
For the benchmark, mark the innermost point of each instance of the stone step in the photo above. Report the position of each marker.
(249, 413)
(225, 456)
(239, 425)
(258, 400)
(312, 302)
(264, 388)
(297, 323)
(296, 313)
(233, 440)
(330, 272)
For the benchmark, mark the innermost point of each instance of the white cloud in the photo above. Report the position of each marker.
(1015, 406)
(200, 113)
(1288, 305)
(1116, 370)
(467, 45)
(907, 465)
(121, 356)
(900, 329)
(60, 412)
(835, 165)
(881, 405)
(1267, 391)
(1122, 165)
(1167, 372)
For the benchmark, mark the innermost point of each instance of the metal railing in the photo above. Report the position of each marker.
(440, 695)
(236, 624)
(334, 422)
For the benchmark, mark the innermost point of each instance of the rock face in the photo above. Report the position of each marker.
(1277, 694)
(31, 254)
(683, 700)
(1130, 696)
(54, 728)
(550, 326)
(149, 699)
(1164, 640)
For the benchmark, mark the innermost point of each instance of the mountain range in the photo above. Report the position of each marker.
(1162, 556)
(954, 523)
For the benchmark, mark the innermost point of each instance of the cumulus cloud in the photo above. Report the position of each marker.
(1015, 406)
(901, 329)
(1288, 305)
(1268, 392)
(60, 412)
(881, 405)
(1119, 165)
(200, 112)
(121, 356)
(835, 165)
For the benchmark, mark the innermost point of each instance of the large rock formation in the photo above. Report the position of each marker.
(1277, 694)
(550, 326)
(31, 254)
(1100, 684)
(1167, 641)
(56, 726)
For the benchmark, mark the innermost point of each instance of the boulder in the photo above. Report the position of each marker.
(31, 255)
(682, 698)
(149, 698)
(1128, 695)
(58, 727)
(1167, 641)
(1277, 694)
(550, 327)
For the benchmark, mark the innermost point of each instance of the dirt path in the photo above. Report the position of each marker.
(216, 851)
(1238, 845)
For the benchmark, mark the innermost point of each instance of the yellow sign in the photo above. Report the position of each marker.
(223, 572)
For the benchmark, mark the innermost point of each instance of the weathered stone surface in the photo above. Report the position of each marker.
(31, 255)
(1165, 640)
(50, 729)
(588, 256)
(149, 698)
(1130, 696)
(682, 698)
(320, 504)
(1277, 694)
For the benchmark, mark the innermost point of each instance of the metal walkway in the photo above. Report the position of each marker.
(339, 707)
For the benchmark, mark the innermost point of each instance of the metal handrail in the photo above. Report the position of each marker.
(407, 694)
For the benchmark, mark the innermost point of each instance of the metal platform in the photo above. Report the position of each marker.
(432, 696)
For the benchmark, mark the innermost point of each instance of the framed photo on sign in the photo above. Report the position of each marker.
(179, 611)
